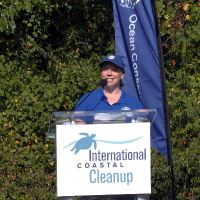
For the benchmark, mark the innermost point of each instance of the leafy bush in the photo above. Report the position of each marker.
(27, 101)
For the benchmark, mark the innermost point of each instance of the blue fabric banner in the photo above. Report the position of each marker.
(136, 42)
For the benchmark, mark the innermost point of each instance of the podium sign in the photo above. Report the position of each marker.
(103, 159)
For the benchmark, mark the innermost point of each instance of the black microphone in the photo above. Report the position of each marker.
(102, 83)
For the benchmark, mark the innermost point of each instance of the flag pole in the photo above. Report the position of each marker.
(165, 105)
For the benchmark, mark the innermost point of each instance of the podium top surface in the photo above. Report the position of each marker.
(143, 115)
(91, 117)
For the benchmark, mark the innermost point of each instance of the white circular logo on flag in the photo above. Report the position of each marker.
(128, 3)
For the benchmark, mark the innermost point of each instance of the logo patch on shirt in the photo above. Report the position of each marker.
(126, 108)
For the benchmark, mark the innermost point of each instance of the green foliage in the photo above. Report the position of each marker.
(179, 26)
(49, 58)
(184, 108)
(27, 168)
(184, 103)
(27, 101)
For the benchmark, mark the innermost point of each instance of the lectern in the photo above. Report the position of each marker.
(102, 153)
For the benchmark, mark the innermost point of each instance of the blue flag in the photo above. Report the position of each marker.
(136, 42)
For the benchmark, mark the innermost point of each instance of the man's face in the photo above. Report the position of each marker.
(112, 73)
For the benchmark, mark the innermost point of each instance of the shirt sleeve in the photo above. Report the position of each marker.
(82, 103)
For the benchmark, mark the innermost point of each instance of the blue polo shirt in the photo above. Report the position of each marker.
(97, 101)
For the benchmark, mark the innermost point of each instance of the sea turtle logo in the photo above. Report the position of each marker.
(128, 3)
(85, 142)
(88, 141)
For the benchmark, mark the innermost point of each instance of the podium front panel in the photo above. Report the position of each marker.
(103, 159)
